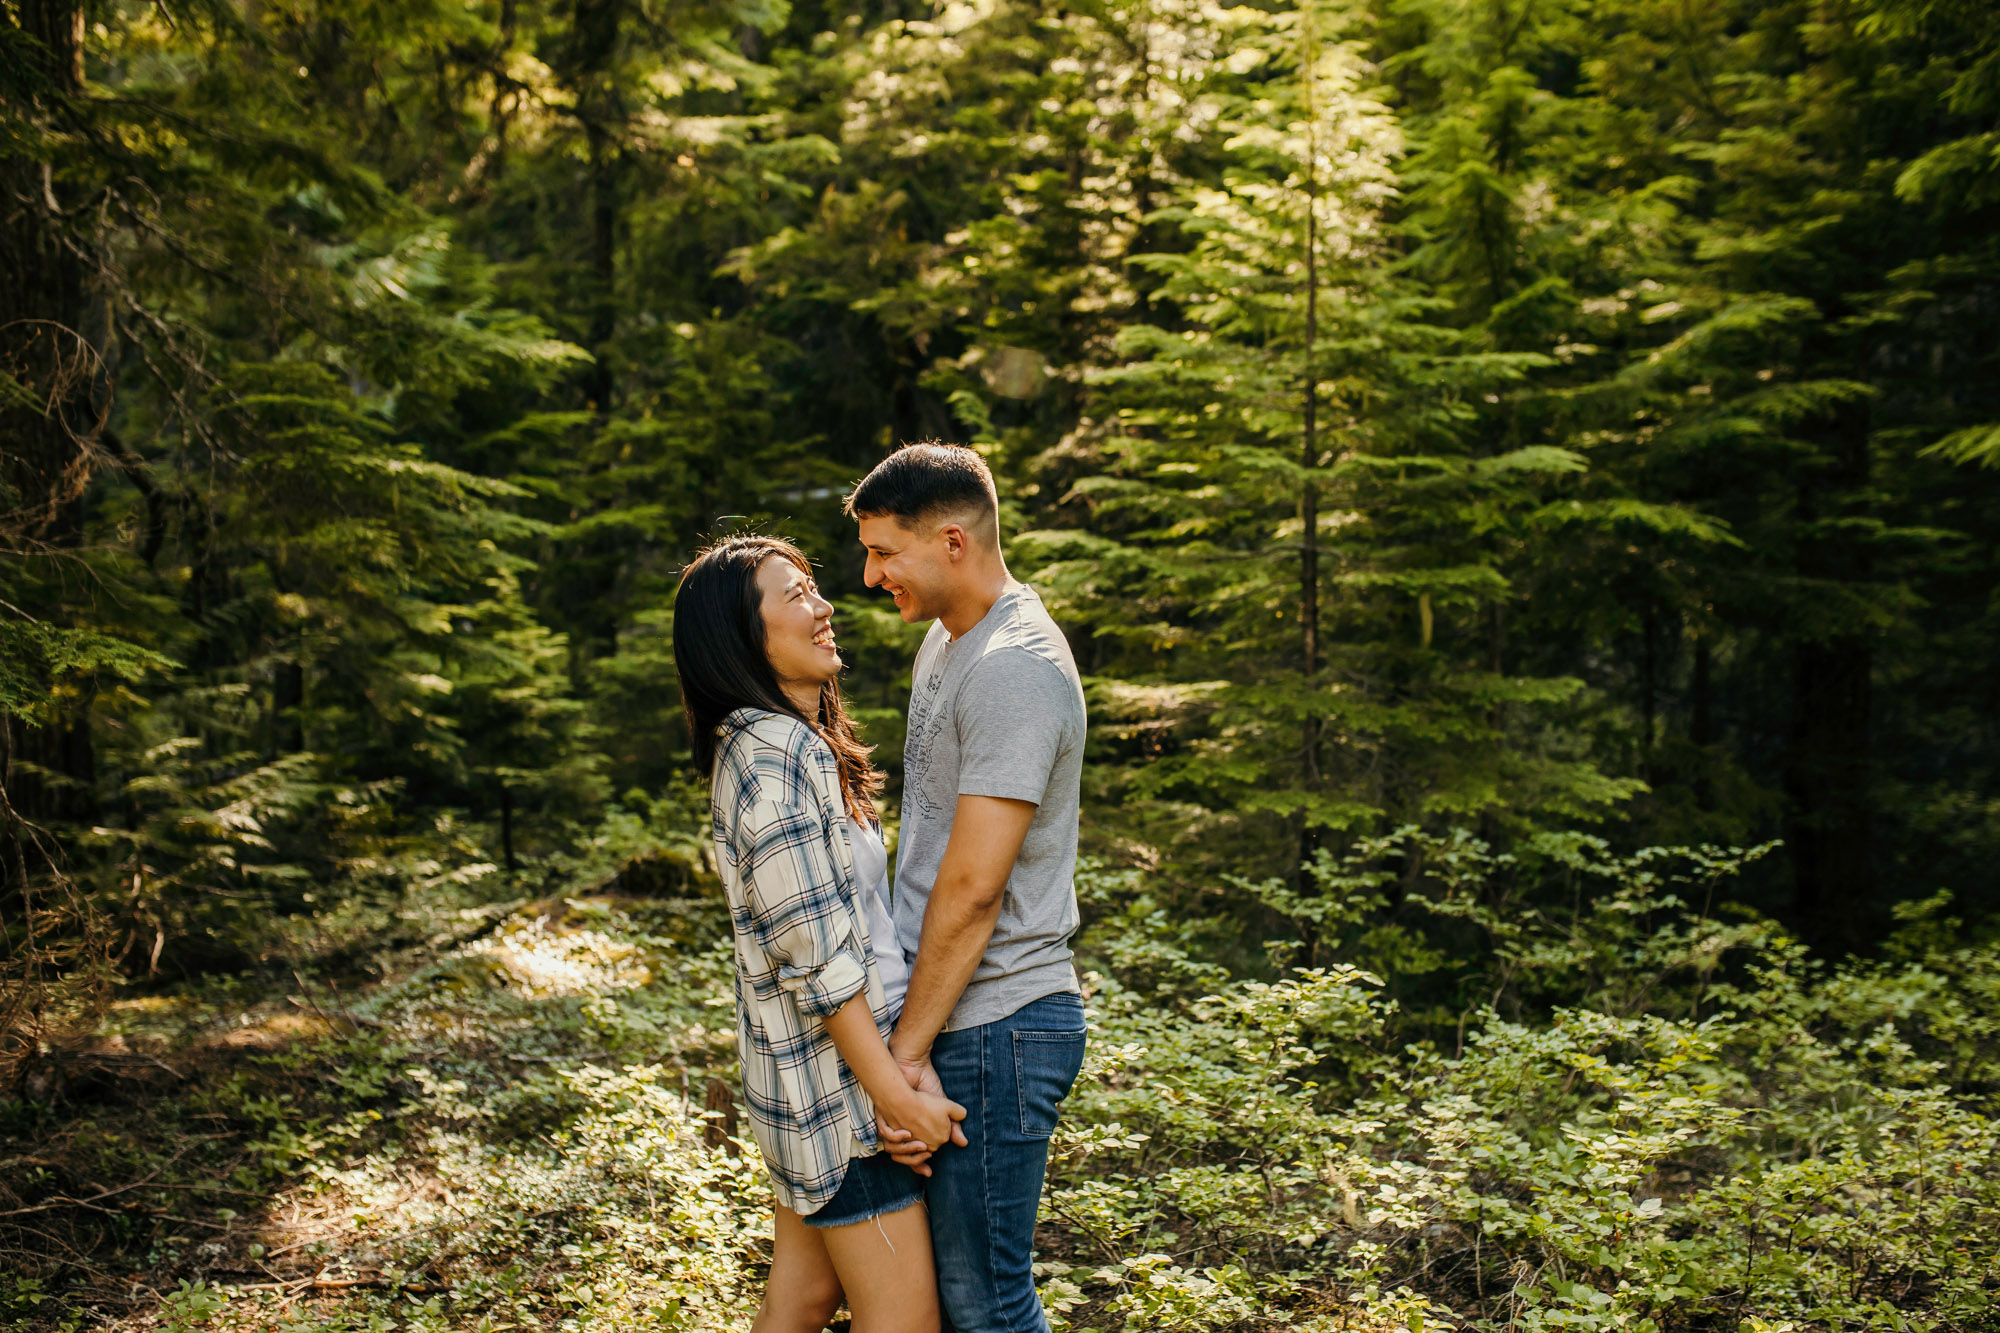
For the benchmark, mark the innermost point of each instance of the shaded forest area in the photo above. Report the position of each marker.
(1474, 446)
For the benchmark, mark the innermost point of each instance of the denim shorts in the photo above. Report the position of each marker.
(874, 1186)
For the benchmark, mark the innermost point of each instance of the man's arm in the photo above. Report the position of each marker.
(986, 837)
(929, 1118)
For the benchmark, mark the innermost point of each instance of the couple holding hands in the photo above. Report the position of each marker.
(904, 1053)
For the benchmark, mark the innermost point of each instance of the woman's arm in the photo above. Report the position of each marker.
(796, 905)
(860, 1044)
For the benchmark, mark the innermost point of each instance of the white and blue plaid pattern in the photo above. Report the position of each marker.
(802, 949)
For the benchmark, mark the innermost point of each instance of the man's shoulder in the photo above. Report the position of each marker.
(1025, 655)
(1031, 657)
(1028, 627)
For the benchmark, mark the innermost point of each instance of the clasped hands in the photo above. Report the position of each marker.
(914, 1129)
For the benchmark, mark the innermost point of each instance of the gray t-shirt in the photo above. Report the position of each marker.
(997, 712)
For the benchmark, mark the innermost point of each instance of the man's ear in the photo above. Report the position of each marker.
(955, 541)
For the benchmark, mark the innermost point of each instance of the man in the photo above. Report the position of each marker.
(985, 900)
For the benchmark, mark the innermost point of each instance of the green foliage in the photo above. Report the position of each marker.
(38, 661)
(1703, 1123)
(1751, 1134)
(1606, 386)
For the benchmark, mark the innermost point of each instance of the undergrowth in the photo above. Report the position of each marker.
(1657, 1117)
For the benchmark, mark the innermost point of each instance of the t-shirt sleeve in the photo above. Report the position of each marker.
(1016, 714)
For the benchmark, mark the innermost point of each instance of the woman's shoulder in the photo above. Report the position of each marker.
(768, 756)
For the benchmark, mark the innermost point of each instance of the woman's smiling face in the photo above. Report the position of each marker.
(798, 630)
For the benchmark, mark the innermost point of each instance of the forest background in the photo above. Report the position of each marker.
(1491, 458)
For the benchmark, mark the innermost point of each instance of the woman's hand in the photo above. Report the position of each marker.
(928, 1117)
(903, 1146)
(912, 1114)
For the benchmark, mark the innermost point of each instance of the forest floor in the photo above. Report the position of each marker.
(509, 1132)
(520, 1116)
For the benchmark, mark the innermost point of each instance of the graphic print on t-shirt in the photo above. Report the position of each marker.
(926, 722)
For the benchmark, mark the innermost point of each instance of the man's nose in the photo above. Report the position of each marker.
(871, 574)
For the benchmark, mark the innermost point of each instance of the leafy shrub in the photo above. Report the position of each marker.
(1655, 1118)
(1718, 1131)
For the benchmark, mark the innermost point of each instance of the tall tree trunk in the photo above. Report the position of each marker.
(49, 428)
(52, 769)
(507, 828)
(44, 305)
(288, 696)
(1649, 689)
(1309, 494)
(1309, 522)
(1701, 726)
(603, 264)
(594, 44)
(506, 94)
(1827, 773)
(1828, 761)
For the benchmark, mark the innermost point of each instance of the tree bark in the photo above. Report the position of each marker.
(1829, 767)
(288, 696)
(594, 43)
(1827, 774)
(1649, 689)
(49, 429)
(44, 302)
(1309, 533)
(52, 769)
(1309, 493)
(507, 828)
(603, 265)
(1701, 726)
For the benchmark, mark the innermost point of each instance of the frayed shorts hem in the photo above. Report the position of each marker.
(873, 1187)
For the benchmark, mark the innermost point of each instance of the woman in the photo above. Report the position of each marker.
(819, 975)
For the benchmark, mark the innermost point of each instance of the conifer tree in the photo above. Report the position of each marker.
(1319, 676)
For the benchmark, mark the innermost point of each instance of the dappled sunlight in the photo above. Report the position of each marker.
(523, 1135)
(491, 1157)
(539, 962)
(1517, 486)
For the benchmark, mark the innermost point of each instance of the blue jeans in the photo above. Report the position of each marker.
(1011, 1076)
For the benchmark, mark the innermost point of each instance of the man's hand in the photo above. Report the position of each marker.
(923, 1076)
(901, 1144)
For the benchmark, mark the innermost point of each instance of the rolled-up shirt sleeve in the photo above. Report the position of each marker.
(798, 906)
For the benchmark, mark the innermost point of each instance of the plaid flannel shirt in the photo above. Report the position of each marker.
(802, 949)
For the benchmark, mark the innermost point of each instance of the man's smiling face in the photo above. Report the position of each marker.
(914, 568)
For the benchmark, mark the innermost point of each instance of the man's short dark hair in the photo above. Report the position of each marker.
(928, 483)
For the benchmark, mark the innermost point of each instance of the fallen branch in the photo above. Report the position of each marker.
(64, 1202)
(377, 1282)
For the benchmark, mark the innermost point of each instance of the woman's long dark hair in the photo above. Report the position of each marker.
(723, 665)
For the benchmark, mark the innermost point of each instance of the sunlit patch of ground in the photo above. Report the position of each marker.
(510, 1137)
(540, 961)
